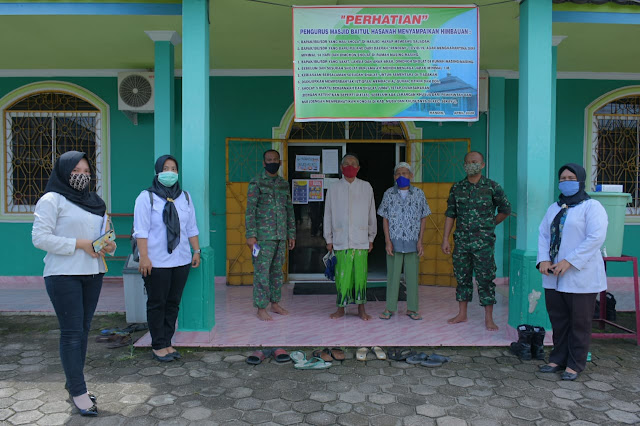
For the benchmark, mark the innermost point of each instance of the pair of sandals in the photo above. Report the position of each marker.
(388, 314)
(399, 353)
(329, 354)
(361, 353)
(433, 360)
(300, 361)
(114, 341)
(279, 355)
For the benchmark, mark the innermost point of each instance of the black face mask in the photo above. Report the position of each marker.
(272, 167)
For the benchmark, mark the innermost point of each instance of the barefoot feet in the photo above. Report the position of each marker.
(458, 318)
(363, 314)
(337, 314)
(263, 315)
(278, 309)
(491, 326)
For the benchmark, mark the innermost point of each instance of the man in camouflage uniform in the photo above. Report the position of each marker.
(271, 225)
(472, 206)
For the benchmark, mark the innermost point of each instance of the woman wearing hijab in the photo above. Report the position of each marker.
(67, 219)
(164, 223)
(569, 258)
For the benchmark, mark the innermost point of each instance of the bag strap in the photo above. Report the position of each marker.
(186, 195)
(150, 198)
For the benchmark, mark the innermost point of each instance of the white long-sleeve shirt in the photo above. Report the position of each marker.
(148, 223)
(350, 215)
(584, 232)
(56, 226)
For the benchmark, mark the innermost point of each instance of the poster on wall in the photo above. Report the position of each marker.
(300, 191)
(316, 190)
(307, 163)
(386, 63)
(330, 161)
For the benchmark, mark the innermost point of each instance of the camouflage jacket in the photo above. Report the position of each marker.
(269, 214)
(474, 206)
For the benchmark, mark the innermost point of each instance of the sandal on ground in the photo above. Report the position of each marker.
(380, 354)
(107, 338)
(439, 358)
(298, 357)
(361, 354)
(431, 363)
(386, 315)
(417, 358)
(414, 316)
(258, 356)
(337, 354)
(324, 354)
(120, 342)
(399, 354)
(280, 355)
(312, 364)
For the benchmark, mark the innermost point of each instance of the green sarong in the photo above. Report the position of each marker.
(351, 276)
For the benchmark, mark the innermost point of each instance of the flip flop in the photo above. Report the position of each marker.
(337, 354)
(439, 358)
(431, 363)
(120, 342)
(399, 354)
(386, 315)
(298, 357)
(361, 354)
(280, 355)
(107, 339)
(380, 354)
(258, 356)
(414, 316)
(324, 354)
(313, 364)
(417, 358)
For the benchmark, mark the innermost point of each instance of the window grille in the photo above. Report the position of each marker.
(38, 129)
(616, 147)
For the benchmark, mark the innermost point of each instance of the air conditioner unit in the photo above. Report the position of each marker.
(136, 92)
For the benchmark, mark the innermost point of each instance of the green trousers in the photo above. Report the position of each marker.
(351, 276)
(394, 269)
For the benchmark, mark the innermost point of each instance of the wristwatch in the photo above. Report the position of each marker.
(197, 251)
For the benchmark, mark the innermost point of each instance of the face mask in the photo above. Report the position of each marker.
(168, 178)
(349, 171)
(569, 187)
(403, 182)
(79, 181)
(472, 169)
(272, 167)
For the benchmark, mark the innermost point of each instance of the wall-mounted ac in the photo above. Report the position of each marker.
(135, 92)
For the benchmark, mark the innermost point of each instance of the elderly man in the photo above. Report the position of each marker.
(349, 228)
(270, 230)
(404, 210)
(472, 206)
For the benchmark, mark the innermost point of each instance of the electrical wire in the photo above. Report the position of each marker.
(481, 5)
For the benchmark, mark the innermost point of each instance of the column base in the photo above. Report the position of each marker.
(197, 309)
(526, 295)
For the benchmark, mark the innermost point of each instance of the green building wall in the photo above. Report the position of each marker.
(249, 107)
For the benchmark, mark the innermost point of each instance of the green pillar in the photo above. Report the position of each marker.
(198, 308)
(496, 158)
(535, 161)
(164, 124)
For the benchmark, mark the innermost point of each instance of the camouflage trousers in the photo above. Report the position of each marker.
(267, 272)
(475, 257)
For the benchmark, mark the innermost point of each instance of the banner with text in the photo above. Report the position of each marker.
(411, 63)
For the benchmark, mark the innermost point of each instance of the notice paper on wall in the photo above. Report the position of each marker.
(316, 192)
(329, 181)
(307, 163)
(300, 191)
(330, 161)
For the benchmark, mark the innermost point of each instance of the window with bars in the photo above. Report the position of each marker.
(38, 129)
(616, 147)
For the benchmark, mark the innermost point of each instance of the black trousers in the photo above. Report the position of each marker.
(164, 290)
(571, 315)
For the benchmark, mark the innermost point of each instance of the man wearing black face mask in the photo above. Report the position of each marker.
(270, 230)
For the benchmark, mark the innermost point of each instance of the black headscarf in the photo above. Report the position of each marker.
(59, 183)
(566, 203)
(169, 214)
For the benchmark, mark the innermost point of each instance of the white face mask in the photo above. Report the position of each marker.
(79, 181)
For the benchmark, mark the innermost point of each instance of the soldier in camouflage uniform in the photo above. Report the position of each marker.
(472, 206)
(270, 224)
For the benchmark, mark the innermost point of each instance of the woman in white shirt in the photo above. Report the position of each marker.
(67, 219)
(164, 223)
(569, 258)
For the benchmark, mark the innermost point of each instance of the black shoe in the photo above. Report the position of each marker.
(550, 369)
(569, 376)
(522, 348)
(92, 397)
(537, 343)
(166, 358)
(175, 355)
(89, 412)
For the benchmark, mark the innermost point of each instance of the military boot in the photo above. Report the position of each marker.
(537, 343)
(522, 348)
